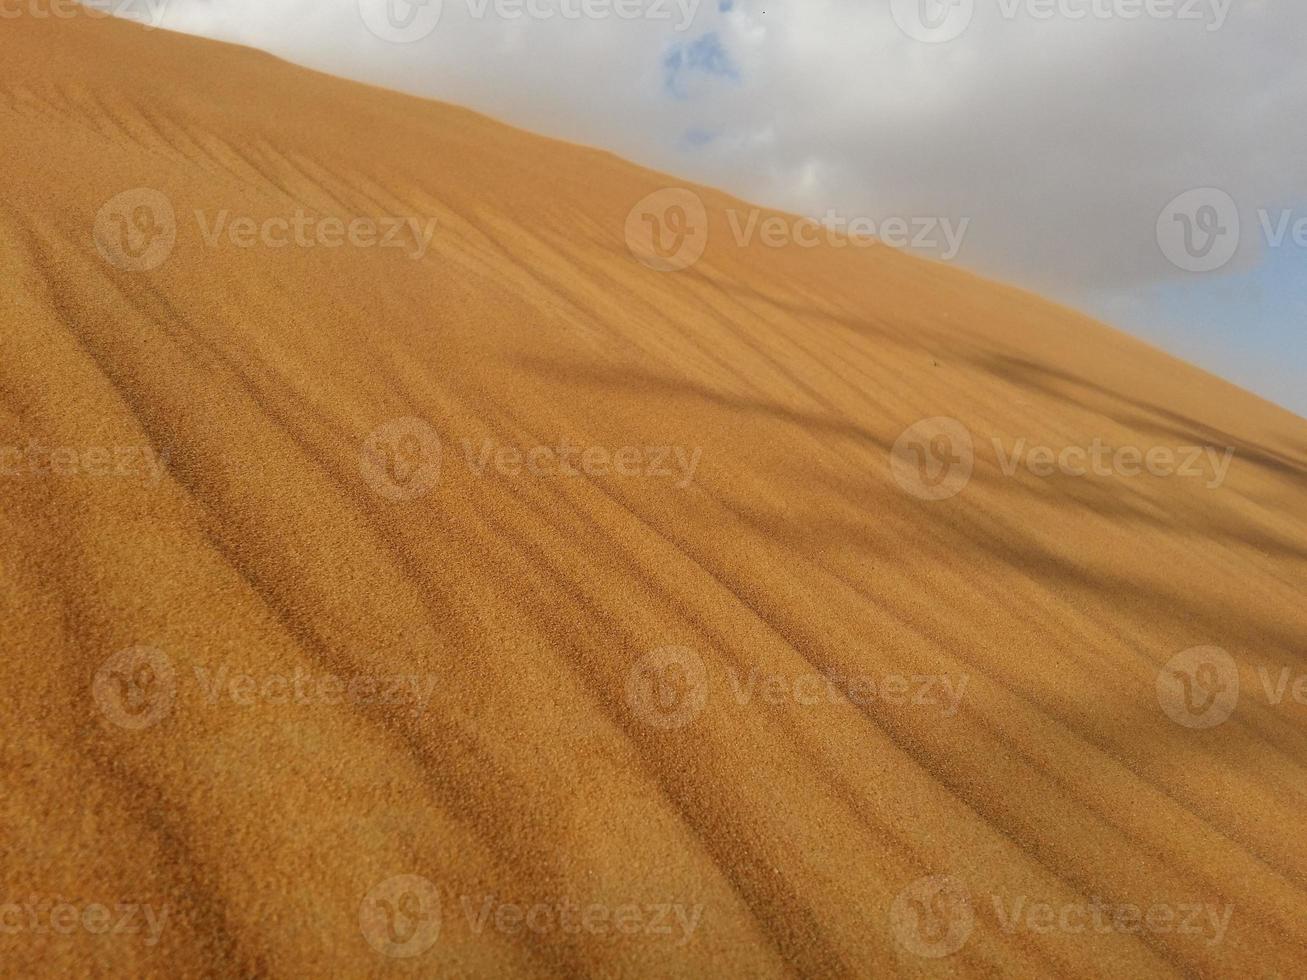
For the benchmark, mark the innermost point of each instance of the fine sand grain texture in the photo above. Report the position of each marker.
(312, 667)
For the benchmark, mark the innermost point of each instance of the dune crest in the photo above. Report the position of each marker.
(437, 549)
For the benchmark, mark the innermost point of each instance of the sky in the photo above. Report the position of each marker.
(1142, 160)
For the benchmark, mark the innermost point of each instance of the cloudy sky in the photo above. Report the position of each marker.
(1143, 160)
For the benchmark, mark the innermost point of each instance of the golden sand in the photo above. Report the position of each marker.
(732, 697)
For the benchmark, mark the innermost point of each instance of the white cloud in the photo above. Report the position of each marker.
(1062, 139)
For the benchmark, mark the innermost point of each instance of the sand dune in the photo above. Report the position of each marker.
(517, 594)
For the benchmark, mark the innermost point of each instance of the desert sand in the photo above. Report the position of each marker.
(327, 651)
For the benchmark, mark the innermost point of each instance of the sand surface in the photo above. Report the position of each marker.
(317, 693)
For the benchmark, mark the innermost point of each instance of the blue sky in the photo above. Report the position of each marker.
(1249, 325)
(704, 56)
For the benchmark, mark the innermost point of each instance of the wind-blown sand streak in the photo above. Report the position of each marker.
(751, 837)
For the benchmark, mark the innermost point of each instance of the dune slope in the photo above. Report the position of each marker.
(495, 602)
